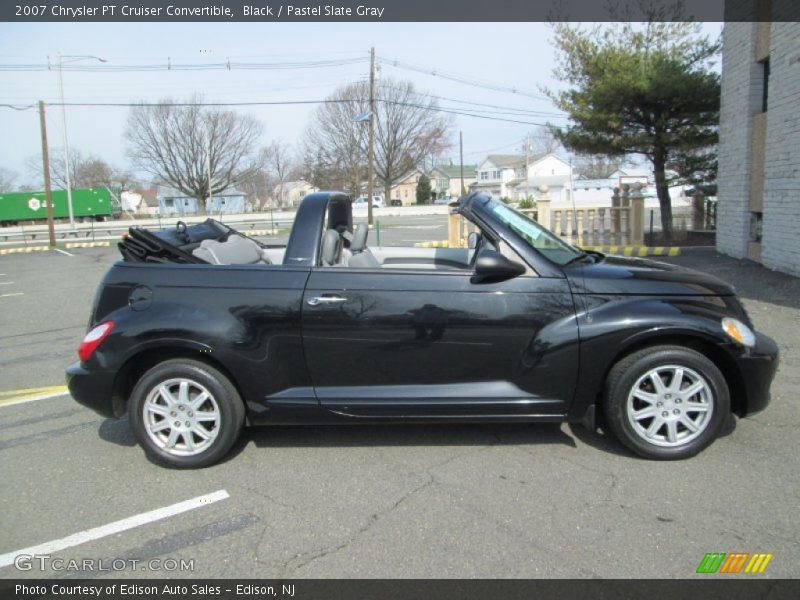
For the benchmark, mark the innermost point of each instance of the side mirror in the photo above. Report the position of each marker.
(472, 240)
(492, 265)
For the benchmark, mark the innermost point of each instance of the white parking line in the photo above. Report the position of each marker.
(64, 252)
(14, 294)
(6, 282)
(96, 533)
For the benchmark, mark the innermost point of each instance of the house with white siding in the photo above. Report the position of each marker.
(446, 179)
(516, 176)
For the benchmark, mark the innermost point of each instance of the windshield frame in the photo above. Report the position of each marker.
(496, 210)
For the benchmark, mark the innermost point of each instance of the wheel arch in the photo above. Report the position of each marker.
(700, 343)
(144, 359)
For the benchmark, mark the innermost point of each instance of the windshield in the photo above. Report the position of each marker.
(546, 242)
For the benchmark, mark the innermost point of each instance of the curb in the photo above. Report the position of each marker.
(24, 250)
(68, 245)
(620, 250)
(444, 244)
(86, 244)
(637, 250)
(259, 232)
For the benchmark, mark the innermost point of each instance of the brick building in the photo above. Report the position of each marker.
(759, 149)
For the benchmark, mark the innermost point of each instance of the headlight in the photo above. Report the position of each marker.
(739, 332)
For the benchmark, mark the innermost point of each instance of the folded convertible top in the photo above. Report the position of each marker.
(174, 244)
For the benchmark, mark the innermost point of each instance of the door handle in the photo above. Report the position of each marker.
(325, 300)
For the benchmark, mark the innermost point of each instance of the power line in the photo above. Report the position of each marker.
(463, 79)
(274, 103)
(169, 66)
(457, 112)
(18, 106)
(291, 65)
(507, 109)
(495, 149)
(287, 103)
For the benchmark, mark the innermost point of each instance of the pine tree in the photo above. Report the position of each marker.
(639, 89)
(424, 189)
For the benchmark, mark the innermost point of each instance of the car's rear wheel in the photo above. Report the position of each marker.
(666, 402)
(185, 413)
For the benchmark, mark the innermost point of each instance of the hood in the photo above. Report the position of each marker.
(639, 276)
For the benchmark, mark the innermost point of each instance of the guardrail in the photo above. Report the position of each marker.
(112, 230)
(247, 222)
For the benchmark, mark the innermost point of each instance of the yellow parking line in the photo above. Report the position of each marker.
(31, 395)
(86, 244)
(443, 244)
(29, 391)
(24, 250)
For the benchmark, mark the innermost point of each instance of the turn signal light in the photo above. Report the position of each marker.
(93, 339)
(739, 332)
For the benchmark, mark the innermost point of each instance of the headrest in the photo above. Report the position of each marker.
(331, 247)
(237, 250)
(359, 238)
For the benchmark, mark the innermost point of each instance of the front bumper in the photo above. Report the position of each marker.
(757, 368)
(94, 389)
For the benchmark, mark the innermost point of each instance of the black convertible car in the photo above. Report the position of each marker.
(200, 330)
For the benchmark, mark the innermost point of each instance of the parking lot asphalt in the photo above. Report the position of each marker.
(383, 501)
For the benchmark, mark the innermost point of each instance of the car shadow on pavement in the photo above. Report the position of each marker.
(388, 435)
(604, 440)
(599, 439)
(117, 431)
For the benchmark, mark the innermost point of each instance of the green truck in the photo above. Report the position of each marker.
(87, 203)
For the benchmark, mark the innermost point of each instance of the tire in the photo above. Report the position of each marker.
(186, 432)
(675, 420)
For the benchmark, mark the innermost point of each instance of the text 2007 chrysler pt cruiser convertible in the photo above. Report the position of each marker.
(201, 330)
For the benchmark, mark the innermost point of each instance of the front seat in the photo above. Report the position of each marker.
(331, 250)
(237, 250)
(362, 258)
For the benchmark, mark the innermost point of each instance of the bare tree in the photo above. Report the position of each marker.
(85, 171)
(180, 144)
(598, 166)
(335, 146)
(408, 129)
(542, 141)
(322, 172)
(7, 180)
(258, 189)
(281, 165)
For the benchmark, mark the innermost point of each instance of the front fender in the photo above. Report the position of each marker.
(611, 327)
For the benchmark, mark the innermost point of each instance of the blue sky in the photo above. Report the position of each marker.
(509, 54)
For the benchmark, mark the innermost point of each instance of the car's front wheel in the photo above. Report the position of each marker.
(185, 413)
(666, 402)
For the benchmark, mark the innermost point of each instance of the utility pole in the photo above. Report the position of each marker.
(527, 165)
(461, 159)
(66, 143)
(208, 172)
(48, 196)
(64, 124)
(371, 150)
